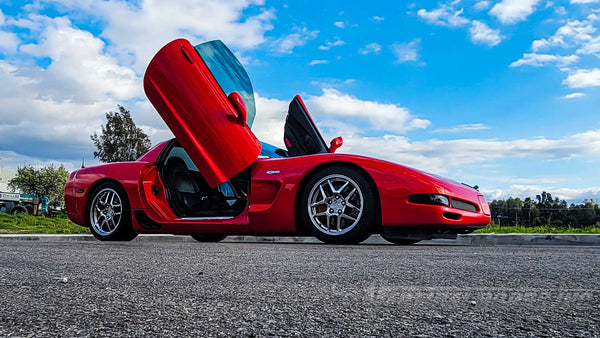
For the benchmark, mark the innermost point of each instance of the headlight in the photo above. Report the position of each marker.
(431, 199)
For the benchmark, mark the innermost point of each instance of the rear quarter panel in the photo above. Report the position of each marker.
(82, 183)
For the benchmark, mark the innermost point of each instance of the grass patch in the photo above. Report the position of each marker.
(539, 230)
(28, 224)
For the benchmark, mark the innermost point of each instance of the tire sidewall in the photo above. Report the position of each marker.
(124, 231)
(363, 229)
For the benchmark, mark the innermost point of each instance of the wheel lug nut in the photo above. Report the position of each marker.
(331, 210)
(339, 211)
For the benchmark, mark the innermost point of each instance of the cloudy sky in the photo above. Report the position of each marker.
(502, 94)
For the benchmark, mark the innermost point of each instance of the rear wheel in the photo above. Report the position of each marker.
(338, 206)
(208, 237)
(109, 214)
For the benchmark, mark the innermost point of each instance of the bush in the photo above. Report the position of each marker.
(540, 221)
(570, 221)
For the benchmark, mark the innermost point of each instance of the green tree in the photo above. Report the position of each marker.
(46, 182)
(121, 140)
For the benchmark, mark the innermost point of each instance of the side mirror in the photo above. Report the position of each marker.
(335, 144)
(240, 107)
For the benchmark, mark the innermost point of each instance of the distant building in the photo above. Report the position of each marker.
(5, 176)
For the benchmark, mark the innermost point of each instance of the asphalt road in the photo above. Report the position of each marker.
(259, 289)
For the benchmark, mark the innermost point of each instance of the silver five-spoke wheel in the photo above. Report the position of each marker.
(339, 205)
(336, 204)
(109, 213)
(106, 211)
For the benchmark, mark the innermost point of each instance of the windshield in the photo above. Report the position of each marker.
(270, 151)
(229, 73)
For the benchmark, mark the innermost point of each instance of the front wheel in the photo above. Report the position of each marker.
(339, 206)
(110, 214)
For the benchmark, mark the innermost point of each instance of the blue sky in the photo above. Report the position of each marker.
(502, 94)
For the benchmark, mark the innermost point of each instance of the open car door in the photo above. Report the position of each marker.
(204, 96)
(300, 134)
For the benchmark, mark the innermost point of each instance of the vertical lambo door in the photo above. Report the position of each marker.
(205, 98)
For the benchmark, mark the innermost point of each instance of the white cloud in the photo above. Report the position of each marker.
(80, 69)
(512, 11)
(447, 15)
(333, 110)
(439, 156)
(137, 31)
(380, 116)
(270, 119)
(462, 128)
(584, 1)
(317, 62)
(373, 47)
(580, 34)
(377, 18)
(482, 5)
(51, 110)
(37, 124)
(573, 96)
(575, 195)
(444, 16)
(335, 43)
(538, 60)
(286, 44)
(407, 52)
(8, 40)
(339, 24)
(481, 33)
(583, 78)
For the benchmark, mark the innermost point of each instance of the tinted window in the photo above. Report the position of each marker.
(229, 73)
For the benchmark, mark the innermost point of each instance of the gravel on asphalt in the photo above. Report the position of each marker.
(262, 289)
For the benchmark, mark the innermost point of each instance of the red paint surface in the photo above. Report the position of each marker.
(273, 197)
(193, 105)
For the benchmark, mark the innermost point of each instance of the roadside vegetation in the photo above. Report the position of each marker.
(23, 223)
(543, 214)
(494, 228)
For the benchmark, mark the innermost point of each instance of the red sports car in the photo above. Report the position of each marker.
(215, 178)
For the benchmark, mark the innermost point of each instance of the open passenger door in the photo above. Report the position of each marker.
(204, 96)
(300, 134)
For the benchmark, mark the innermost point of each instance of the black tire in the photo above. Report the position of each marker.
(401, 241)
(320, 208)
(110, 220)
(19, 210)
(208, 238)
